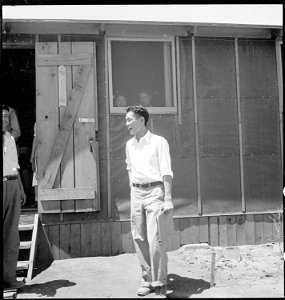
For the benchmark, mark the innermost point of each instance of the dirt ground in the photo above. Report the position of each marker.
(240, 272)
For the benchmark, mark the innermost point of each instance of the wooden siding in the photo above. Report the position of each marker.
(106, 238)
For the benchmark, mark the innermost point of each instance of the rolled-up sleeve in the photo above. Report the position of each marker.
(164, 158)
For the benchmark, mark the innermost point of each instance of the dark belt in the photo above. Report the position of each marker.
(146, 185)
(10, 177)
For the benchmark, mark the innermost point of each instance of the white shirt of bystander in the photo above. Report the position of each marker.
(10, 156)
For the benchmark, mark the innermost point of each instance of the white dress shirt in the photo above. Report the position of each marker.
(149, 159)
(10, 155)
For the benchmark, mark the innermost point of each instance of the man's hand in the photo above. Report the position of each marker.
(167, 206)
(32, 161)
(22, 192)
(23, 198)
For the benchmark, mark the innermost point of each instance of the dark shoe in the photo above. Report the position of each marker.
(160, 291)
(14, 284)
(145, 290)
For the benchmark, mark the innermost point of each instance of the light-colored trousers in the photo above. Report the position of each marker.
(145, 205)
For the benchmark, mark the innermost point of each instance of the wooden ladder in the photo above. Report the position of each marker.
(28, 241)
(28, 238)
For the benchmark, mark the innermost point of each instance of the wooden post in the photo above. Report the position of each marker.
(167, 75)
(174, 73)
(239, 128)
(196, 128)
(96, 142)
(179, 104)
(213, 259)
(94, 64)
(108, 88)
(280, 93)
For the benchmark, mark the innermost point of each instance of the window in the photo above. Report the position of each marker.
(142, 71)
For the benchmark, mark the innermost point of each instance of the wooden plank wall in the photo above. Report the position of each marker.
(106, 238)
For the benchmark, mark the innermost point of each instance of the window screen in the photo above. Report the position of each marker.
(141, 72)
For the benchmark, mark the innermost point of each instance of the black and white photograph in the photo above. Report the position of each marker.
(143, 152)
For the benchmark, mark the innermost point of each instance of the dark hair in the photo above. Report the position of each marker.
(5, 107)
(139, 110)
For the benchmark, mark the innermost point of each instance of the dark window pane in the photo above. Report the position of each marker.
(142, 73)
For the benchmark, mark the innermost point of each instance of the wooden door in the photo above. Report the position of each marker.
(66, 128)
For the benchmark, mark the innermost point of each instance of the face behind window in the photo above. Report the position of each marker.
(120, 101)
(145, 99)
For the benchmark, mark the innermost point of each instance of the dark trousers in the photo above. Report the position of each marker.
(11, 239)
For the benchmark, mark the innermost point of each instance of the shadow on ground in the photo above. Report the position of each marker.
(184, 287)
(46, 289)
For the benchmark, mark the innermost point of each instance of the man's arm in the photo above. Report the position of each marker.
(22, 192)
(168, 204)
(34, 155)
(128, 165)
(129, 173)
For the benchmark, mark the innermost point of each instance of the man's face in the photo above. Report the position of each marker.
(5, 120)
(134, 124)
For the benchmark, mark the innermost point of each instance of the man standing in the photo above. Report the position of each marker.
(13, 197)
(149, 168)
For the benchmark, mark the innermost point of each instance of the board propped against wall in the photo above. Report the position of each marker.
(66, 116)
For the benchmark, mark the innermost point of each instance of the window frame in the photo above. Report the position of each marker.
(152, 110)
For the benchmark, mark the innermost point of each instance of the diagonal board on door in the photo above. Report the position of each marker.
(65, 130)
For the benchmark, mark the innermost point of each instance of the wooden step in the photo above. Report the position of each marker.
(26, 227)
(20, 278)
(11, 294)
(25, 245)
(22, 265)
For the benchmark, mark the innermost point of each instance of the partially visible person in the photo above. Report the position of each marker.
(26, 174)
(13, 197)
(145, 99)
(120, 101)
(33, 160)
(14, 127)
